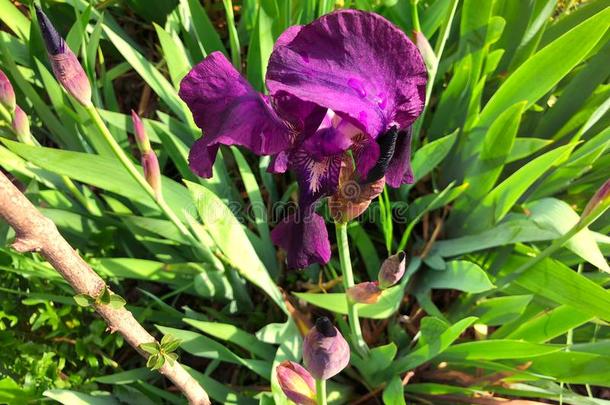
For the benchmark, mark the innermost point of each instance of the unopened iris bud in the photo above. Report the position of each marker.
(325, 351)
(364, 293)
(392, 270)
(149, 161)
(422, 44)
(66, 67)
(140, 133)
(21, 126)
(296, 382)
(7, 94)
(599, 203)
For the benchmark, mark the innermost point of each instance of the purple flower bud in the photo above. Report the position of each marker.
(296, 382)
(599, 202)
(392, 270)
(325, 351)
(364, 293)
(140, 133)
(68, 71)
(7, 94)
(21, 126)
(422, 44)
(152, 173)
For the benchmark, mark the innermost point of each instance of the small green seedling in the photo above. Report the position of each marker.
(160, 353)
(104, 298)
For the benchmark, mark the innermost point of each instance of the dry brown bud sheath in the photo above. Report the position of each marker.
(37, 233)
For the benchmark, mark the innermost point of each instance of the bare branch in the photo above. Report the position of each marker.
(37, 233)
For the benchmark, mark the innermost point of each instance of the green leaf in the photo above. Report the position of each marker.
(555, 281)
(548, 325)
(500, 310)
(101, 172)
(200, 345)
(497, 350)
(388, 303)
(261, 44)
(234, 335)
(204, 29)
(171, 358)
(428, 351)
(393, 393)
(574, 367)
(430, 155)
(116, 301)
(458, 275)
(68, 397)
(509, 232)
(557, 59)
(556, 215)
(175, 55)
(169, 344)
(149, 73)
(104, 297)
(524, 147)
(156, 361)
(83, 300)
(501, 199)
(231, 238)
(152, 348)
(493, 153)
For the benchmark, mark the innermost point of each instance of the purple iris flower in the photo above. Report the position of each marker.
(348, 81)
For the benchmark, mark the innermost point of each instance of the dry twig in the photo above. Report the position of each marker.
(36, 233)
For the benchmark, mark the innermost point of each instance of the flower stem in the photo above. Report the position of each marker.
(348, 281)
(139, 178)
(321, 392)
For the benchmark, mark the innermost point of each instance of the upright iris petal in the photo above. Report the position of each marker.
(354, 63)
(230, 112)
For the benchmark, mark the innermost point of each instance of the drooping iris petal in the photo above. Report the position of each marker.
(355, 63)
(230, 112)
(399, 170)
(304, 238)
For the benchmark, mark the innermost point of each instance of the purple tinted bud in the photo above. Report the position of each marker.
(53, 41)
(7, 94)
(422, 44)
(21, 126)
(140, 133)
(364, 293)
(599, 202)
(325, 351)
(392, 270)
(152, 173)
(296, 382)
(66, 67)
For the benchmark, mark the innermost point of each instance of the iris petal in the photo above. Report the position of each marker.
(230, 112)
(355, 63)
(399, 170)
(304, 238)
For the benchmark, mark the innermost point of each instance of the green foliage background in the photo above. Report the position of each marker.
(513, 143)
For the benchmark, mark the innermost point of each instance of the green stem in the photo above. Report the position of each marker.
(139, 178)
(348, 281)
(321, 392)
(555, 246)
(415, 16)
